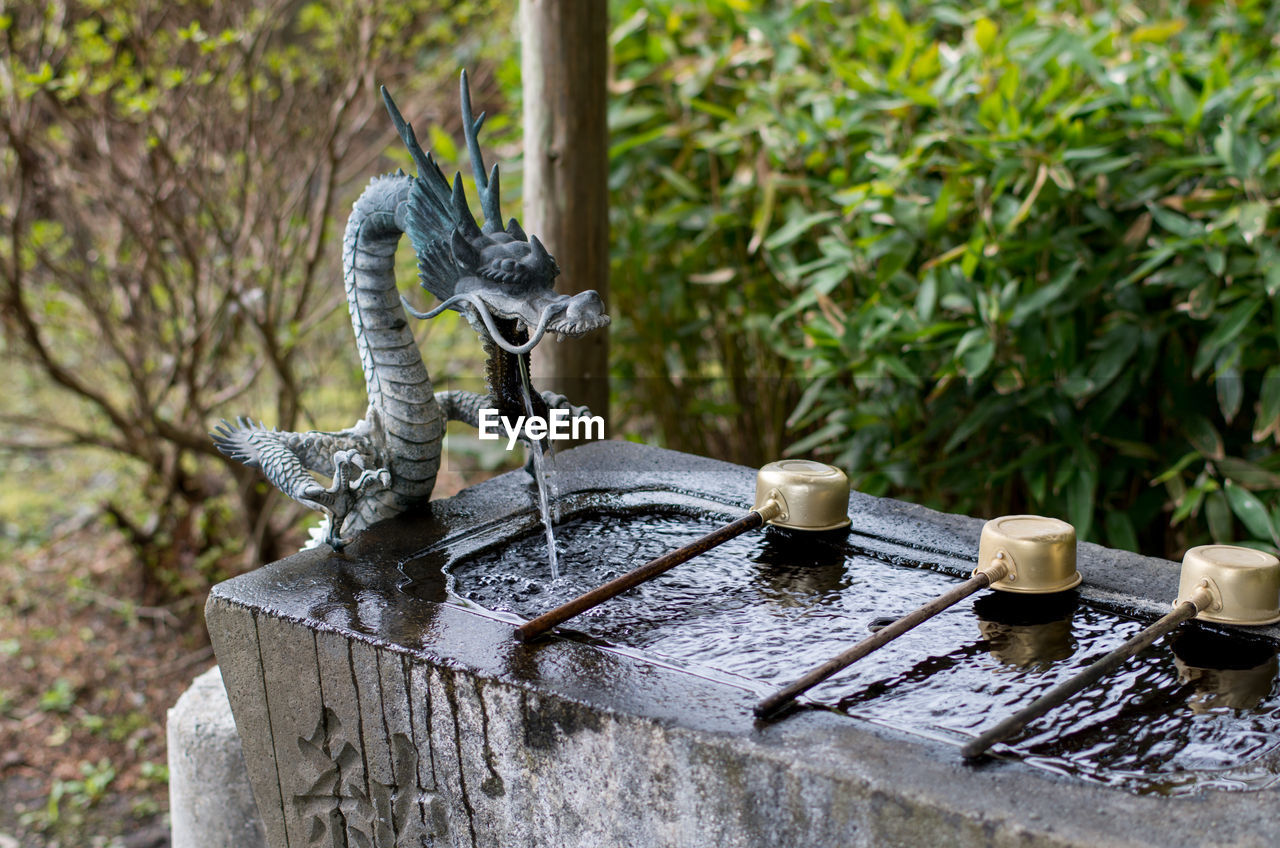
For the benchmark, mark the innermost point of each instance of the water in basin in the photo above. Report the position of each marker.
(1200, 713)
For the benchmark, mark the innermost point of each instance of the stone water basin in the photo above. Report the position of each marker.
(378, 704)
(763, 608)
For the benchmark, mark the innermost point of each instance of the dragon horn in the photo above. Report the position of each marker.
(407, 135)
(538, 250)
(486, 186)
(491, 189)
(461, 211)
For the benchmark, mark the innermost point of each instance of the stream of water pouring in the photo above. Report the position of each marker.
(543, 476)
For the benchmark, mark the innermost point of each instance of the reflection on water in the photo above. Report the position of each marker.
(765, 610)
(1227, 672)
(794, 568)
(1027, 631)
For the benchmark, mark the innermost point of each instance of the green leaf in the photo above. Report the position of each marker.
(1253, 220)
(927, 297)
(895, 259)
(1217, 262)
(1247, 474)
(1223, 334)
(1268, 420)
(979, 418)
(1218, 516)
(1251, 513)
(900, 369)
(1173, 222)
(1080, 496)
(1158, 33)
(1185, 103)
(795, 228)
(975, 352)
(441, 144)
(631, 142)
(1041, 299)
(1223, 145)
(713, 109)
(807, 400)
(824, 436)
(1188, 505)
(984, 34)
(1120, 531)
(971, 339)
(1177, 468)
(1137, 450)
(1119, 347)
(978, 359)
(1203, 436)
(1230, 389)
(1157, 258)
(940, 215)
(1271, 259)
(1076, 386)
(1037, 483)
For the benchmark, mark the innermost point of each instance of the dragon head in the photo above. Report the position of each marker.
(500, 278)
(511, 276)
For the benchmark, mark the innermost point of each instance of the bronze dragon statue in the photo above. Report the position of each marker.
(499, 278)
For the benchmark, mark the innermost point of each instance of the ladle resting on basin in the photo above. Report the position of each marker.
(1018, 553)
(796, 494)
(1221, 583)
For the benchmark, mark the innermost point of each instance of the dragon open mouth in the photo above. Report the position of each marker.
(564, 315)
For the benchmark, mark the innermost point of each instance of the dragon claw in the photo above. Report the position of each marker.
(372, 479)
(345, 492)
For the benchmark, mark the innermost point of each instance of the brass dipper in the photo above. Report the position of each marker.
(1221, 583)
(1017, 553)
(797, 494)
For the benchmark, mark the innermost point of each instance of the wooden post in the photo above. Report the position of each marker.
(564, 66)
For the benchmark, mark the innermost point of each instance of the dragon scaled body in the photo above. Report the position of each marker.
(499, 278)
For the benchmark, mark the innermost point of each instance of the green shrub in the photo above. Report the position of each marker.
(1018, 258)
(691, 292)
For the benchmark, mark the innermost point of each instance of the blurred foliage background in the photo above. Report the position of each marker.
(992, 257)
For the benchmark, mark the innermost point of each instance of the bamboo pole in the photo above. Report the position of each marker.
(531, 630)
(1071, 687)
(767, 707)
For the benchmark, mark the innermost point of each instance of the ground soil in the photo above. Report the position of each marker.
(85, 679)
(86, 676)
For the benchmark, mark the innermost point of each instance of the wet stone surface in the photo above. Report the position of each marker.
(1199, 714)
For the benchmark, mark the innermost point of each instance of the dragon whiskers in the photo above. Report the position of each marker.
(482, 308)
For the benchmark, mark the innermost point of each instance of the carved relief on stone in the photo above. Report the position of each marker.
(343, 808)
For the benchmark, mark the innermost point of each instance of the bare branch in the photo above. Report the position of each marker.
(170, 219)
